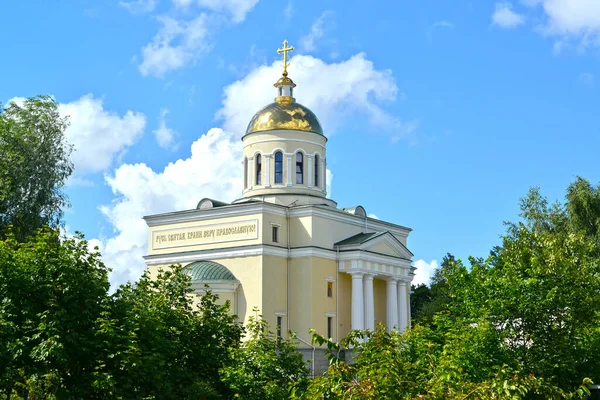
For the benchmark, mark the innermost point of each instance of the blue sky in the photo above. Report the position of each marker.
(440, 115)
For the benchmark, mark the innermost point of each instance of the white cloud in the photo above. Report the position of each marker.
(165, 136)
(570, 21)
(236, 8)
(424, 271)
(505, 17)
(213, 168)
(332, 90)
(139, 6)
(317, 30)
(97, 135)
(176, 44)
(442, 24)
(372, 216)
(288, 11)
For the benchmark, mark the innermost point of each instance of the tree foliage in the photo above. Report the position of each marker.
(63, 336)
(34, 166)
(264, 367)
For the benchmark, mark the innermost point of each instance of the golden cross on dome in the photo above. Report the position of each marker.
(285, 51)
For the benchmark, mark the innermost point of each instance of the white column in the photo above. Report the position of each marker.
(250, 172)
(310, 178)
(358, 316)
(402, 306)
(267, 162)
(289, 169)
(369, 302)
(392, 304)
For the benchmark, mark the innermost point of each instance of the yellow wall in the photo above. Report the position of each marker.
(321, 304)
(300, 296)
(383, 248)
(274, 297)
(344, 305)
(380, 300)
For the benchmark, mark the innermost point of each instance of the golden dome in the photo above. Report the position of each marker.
(285, 113)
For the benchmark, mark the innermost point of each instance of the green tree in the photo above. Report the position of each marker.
(449, 360)
(51, 294)
(264, 367)
(434, 299)
(541, 288)
(158, 344)
(34, 166)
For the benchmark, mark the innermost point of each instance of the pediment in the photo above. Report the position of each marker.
(384, 243)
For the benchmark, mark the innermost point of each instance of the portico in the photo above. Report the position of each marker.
(377, 255)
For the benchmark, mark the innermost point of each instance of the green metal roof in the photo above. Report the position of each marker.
(209, 271)
(360, 238)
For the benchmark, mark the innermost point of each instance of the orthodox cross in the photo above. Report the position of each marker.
(285, 51)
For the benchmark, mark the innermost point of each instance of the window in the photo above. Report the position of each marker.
(329, 289)
(245, 173)
(258, 169)
(299, 168)
(278, 167)
(291, 91)
(279, 323)
(330, 327)
(316, 170)
(275, 234)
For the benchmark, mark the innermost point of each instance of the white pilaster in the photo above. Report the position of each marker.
(323, 174)
(267, 162)
(402, 306)
(250, 172)
(289, 169)
(392, 304)
(310, 178)
(369, 302)
(358, 316)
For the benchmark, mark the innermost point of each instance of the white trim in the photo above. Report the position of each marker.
(289, 182)
(390, 240)
(234, 210)
(274, 223)
(330, 279)
(285, 140)
(330, 314)
(280, 313)
(342, 216)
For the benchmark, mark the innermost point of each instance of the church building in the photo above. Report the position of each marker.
(283, 246)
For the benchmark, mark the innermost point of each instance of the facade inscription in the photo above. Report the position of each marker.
(205, 234)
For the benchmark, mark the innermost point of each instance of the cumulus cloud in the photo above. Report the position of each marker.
(98, 135)
(317, 30)
(424, 271)
(139, 6)
(176, 44)
(505, 17)
(359, 87)
(212, 168)
(165, 136)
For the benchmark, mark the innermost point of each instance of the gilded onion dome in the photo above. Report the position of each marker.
(284, 113)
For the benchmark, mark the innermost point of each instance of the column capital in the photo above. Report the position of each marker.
(356, 273)
(369, 276)
(267, 155)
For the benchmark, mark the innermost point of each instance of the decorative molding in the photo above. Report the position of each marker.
(233, 210)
